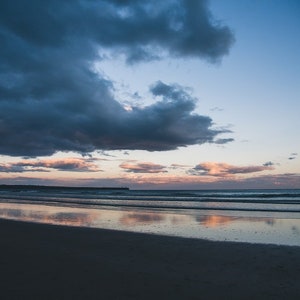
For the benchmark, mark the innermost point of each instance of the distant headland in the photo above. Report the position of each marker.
(53, 187)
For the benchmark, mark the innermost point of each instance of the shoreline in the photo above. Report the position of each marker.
(215, 225)
(41, 261)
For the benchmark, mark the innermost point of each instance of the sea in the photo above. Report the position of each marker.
(250, 216)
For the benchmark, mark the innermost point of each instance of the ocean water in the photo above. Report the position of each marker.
(256, 216)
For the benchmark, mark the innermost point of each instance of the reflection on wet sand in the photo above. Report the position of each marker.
(180, 219)
(136, 218)
(90, 217)
(132, 219)
(216, 221)
(49, 216)
(74, 219)
(197, 224)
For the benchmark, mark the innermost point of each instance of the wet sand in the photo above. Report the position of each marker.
(55, 262)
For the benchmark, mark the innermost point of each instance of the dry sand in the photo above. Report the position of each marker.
(55, 262)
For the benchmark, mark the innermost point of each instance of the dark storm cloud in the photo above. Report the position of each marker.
(51, 100)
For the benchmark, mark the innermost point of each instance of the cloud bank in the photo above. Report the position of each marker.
(51, 99)
(45, 165)
(225, 170)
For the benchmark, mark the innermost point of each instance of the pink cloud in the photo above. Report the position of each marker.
(66, 164)
(145, 167)
(224, 170)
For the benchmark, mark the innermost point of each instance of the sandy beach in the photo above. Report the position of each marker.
(55, 262)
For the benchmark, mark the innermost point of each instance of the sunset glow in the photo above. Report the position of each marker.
(150, 94)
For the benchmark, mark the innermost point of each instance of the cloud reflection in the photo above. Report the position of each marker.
(244, 228)
(48, 217)
(132, 219)
(216, 221)
(71, 218)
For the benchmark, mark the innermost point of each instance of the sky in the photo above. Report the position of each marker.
(174, 94)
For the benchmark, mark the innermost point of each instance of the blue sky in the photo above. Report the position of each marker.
(229, 95)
